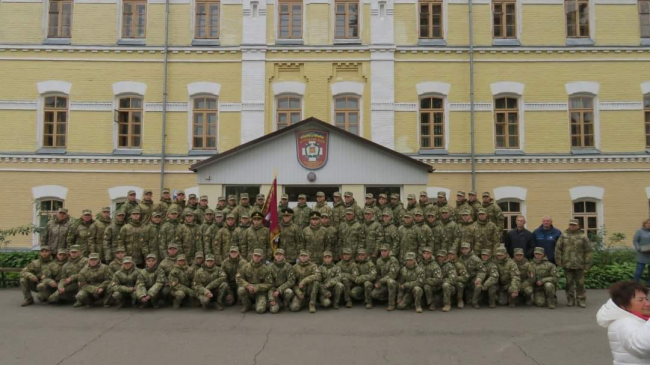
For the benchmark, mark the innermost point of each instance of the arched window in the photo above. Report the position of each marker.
(506, 122)
(47, 209)
(204, 123)
(511, 209)
(586, 212)
(55, 121)
(289, 110)
(346, 111)
(432, 122)
(129, 120)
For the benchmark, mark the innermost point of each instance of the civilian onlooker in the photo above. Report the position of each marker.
(520, 237)
(546, 236)
(642, 246)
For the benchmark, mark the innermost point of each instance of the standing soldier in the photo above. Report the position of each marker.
(223, 240)
(489, 235)
(424, 229)
(210, 284)
(146, 206)
(32, 274)
(372, 234)
(231, 205)
(284, 202)
(97, 229)
(573, 252)
(93, 282)
(188, 238)
(200, 210)
(150, 283)
(237, 238)
(179, 202)
(543, 275)
(370, 204)
(526, 287)
(411, 280)
(509, 278)
(257, 237)
(382, 204)
(410, 238)
(349, 272)
(168, 231)
(204, 229)
(386, 282)
(116, 264)
(450, 231)
(243, 209)
(321, 204)
(490, 281)
(411, 203)
(398, 209)
(364, 275)
(165, 202)
(290, 236)
(79, 233)
(218, 222)
(69, 283)
(317, 238)
(495, 215)
(391, 235)
(326, 222)
(133, 237)
(449, 278)
(221, 206)
(474, 203)
(461, 205)
(56, 231)
(432, 277)
(462, 278)
(302, 212)
(468, 229)
(123, 285)
(254, 281)
(192, 203)
(111, 233)
(152, 234)
(330, 282)
(231, 266)
(282, 281)
(259, 204)
(180, 280)
(424, 202)
(436, 230)
(476, 273)
(350, 231)
(338, 211)
(348, 197)
(130, 204)
(307, 283)
(442, 203)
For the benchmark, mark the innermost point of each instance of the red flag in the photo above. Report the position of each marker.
(270, 212)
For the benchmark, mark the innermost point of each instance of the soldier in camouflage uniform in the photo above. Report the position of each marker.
(462, 278)
(338, 211)
(526, 287)
(153, 233)
(495, 215)
(450, 231)
(410, 238)
(238, 234)
(117, 262)
(398, 209)
(317, 238)
(436, 230)
(231, 266)
(282, 281)
(130, 204)
(321, 204)
(349, 202)
(573, 252)
(146, 206)
(382, 204)
(509, 278)
(93, 282)
(164, 204)
(254, 281)
(79, 233)
(150, 283)
(188, 238)
(461, 205)
(473, 202)
(96, 239)
(410, 283)
(411, 203)
(301, 212)
(442, 203)
(364, 277)
(123, 286)
(68, 286)
(489, 235)
(180, 280)
(543, 275)
(111, 233)
(307, 283)
(284, 203)
(386, 281)
(192, 203)
(243, 209)
(449, 278)
(424, 204)
(210, 284)
(259, 204)
(424, 229)
(372, 233)
(211, 231)
(370, 204)
(432, 281)
(32, 274)
(391, 234)
(257, 237)
(167, 233)
(350, 232)
(52, 275)
(231, 205)
(468, 229)
(223, 239)
(489, 282)
(55, 234)
(348, 270)
(476, 272)
(199, 212)
(206, 224)
(199, 257)
(221, 206)
(133, 237)
(290, 236)
(326, 222)
(330, 282)
(168, 263)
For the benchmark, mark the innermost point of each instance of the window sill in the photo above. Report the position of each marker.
(206, 42)
(439, 151)
(506, 42)
(645, 41)
(647, 150)
(124, 152)
(202, 152)
(51, 151)
(354, 41)
(132, 42)
(289, 42)
(584, 151)
(57, 41)
(505, 152)
(432, 42)
(579, 42)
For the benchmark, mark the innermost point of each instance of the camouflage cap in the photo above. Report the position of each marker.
(258, 252)
(304, 253)
(407, 215)
(370, 196)
(92, 256)
(486, 194)
(152, 256)
(387, 212)
(460, 193)
(410, 197)
(204, 197)
(539, 250)
(314, 214)
(106, 209)
(257, 215)
(156, 214)
(181, 257)
(410, 256)
(431, 213)
(188, 212)
(209, 257)
(482, 211)
(417, 212)
(63, 251)
(234, 249)
(75, 248)
(218, 214)
(325, 215)
(199, 255)
(486, 252)
(136, 210)
(302, 196)
(471, 193)
(230, 216)
(244, 216)
(465, 245)
(465, 212)
(172, 245)
(192, 196)
(383, 196)
(243, 196)
(445, 209)
(279, 251)
(166, 190)
(285, 196)
(501, 251)
(120, 249)
(147, 191)
(180, 191)
(327, 254)
(260, 196)
(348, 193)
(441, 253)
(349, 210)
(442, 194)
(346, 251)
(209, 211)
(394, 196)
(427, 249)
(518, 251)
(287, 211)
(63, 210)
(361, 251)
(320, 193)
(127, 260)
(337, 194)
(221, 199)
(232, 197)
(424, 193)
(574, 222)
(173, 211)
(131, 192)
(368, 211)
(384, 247)
(45, 248)
(87, 212)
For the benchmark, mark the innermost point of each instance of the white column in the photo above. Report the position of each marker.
(381, 22)
(382, 118)
(254, 25)
(253, 93)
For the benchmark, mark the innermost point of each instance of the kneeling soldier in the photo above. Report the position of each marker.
(93, 282)
(509, 279)
(282, 280)
(449, 277)
(489, 282)
(331, 281)
(364, 276)
(180, 281)
(69, 283)
(231, 267)
(475, 271)
(210, 284)
(411, 279)
(526, 287)
(31, 276)
(254, 282)
(307, 283)
(543, 274)
(348, 269)
(52, 275)
(387, 272)
(151, 281)
(123, 285)
(432, 276)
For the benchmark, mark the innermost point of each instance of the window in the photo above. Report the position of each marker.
(48, 208)
(644, 18)
(207, 20)
(577, 18)
(310, 191)
(431, 19)
(290, 19)
(134, 18)
(505, 18)
(55, 121)
(581, 111)
(347, 19)
(204, 123)
(346, 109)
(129, 131)
(586, 213)
(289, 111)
(59, 19)
(506, 123)
(646, 108)
(238, 189)
(432, 127)
(511, 210)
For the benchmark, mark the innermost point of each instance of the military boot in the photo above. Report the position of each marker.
(348, 304)
(418, 303)
(312, 307)
(27, 302)
(551, 305)
(461, 304)
(447, 307)
(582, 302)
(512, 302)
(286, 301)
(529, 300)
(324, 299)
(570, 300)
(76, 304)
(177, 303)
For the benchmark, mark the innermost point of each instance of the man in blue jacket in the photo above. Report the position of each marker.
(546, 236)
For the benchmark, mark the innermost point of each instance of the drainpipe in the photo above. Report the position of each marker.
(164, 101)
(471, 93)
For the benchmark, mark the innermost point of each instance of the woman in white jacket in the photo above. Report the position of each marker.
(626, 316)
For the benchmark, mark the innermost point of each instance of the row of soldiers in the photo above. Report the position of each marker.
(420, 280)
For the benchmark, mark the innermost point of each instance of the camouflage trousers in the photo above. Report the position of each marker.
(69, 294)
(182, 294)
(447, 290)
(327, 291)
(123, 297)
(362, 292)
(88, 297)
(247, 298)
(218, 295)
(283, 298)
(28, 286)
(544, 295)
(230, 295)
(492, 288)
(386, 291)
(309, 294)
(472, 292)
(504, 295)
(347, 287)
(408, 297)
(575, 285)
(155, 297)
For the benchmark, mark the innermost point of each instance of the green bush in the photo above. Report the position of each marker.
(17, 260)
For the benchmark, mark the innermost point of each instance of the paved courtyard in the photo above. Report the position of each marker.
(43, 334)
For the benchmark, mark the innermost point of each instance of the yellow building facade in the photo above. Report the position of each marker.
(561, 104)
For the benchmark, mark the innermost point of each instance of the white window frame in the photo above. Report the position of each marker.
(45, 89)
(511, 193)
(589, 193)
(512, 90)
(126, 89)
(45, 192)
(119, 194)
(438, 90)
(347, 88)
(584, 88)
(287, 88)
(202, 89)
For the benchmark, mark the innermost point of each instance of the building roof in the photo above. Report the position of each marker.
(291, 128)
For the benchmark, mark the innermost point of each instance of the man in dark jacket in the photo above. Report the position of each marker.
(546, 236)
(519, 237)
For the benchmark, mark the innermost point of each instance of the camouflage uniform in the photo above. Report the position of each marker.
(330, 282)
(545, 272)
(495, 215)
(462, 280)
(282, 280)
(79, 234)
(91, 280)
(489, 279)
(425, 231)
(150, 283)
(204, 228)
(308, 276)
(334, 238)
(436, 233)
(449, 279)
(257, 275)
(322, 207)
(469, 232)
(386, 281)
(363, 279)
(167, 235)
(349, 272)
(372, 205)
(128, 208)
(462, 206)
(398, 211)
(301, 215)
(489, 235)
(410, 240)
(432, 280)
(199, 213)
(317, 240)
(391, 233)
(152, 237)
(163, 205)
(122, 287)
(110, 237)
(509, 278)
(372, 235)
(526, 286)
(475, 270)
(338, 213)
(34, 270)
(180, 280)
(237, 236)
(210, 280)
(256, 237)
(350, 232)
(146, 209)
(410, 283)
(573, 252)
(358, 213)
(241, 210)
(188, 238)
(71, 271)
(51, 277)
(222, 242)
(231, 267)
(96, 239)
(291, 240)
(178, 205)
(133, 237)
(55, 234)
(450, 235)
(475, 204)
